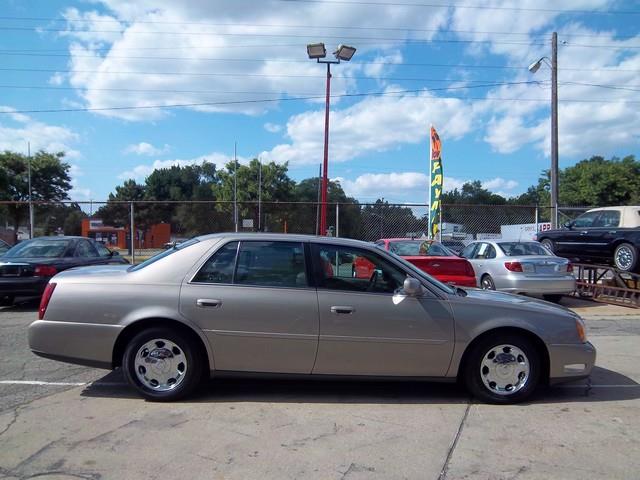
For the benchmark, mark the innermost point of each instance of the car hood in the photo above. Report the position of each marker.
(517, 302)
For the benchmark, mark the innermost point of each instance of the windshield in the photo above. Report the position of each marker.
(416, 271)
(408, 248)
(519, 249)
(163, 254)
(39, 248)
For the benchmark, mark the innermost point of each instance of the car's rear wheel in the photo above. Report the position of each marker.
(625, 257)
(548, 244)
(163, 365)
(504, 368)
(486, 282)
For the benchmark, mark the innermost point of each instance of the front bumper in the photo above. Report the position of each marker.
(518, 283)
(570, 362)
(80, 343)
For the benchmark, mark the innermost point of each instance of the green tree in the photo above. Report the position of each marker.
(383, 220)
(116, 213)
(50, 181)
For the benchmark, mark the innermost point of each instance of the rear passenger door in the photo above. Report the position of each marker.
(257, 306)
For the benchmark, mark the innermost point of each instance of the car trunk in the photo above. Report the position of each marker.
(16, 270)
(441, 265)
(544, 266)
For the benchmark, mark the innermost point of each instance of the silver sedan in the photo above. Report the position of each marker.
(520, 267)
(237, 304)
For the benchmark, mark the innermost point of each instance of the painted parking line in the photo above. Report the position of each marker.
(124, 384)
(62, 384)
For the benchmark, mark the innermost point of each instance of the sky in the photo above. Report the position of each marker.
(124, 87)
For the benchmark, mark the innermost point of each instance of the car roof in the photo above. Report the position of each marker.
(286, 237)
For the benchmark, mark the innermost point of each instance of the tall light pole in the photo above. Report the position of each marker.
(259, 192)
(235, 185)
(553, 65)
(30, 199)
(318, 51)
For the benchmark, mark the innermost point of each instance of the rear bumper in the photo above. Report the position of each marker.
(23, 286)
(544, 285)
(570, 362)
(81, 343)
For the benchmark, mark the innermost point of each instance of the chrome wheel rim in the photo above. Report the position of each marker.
(160, 365)
(624, 257)
(505, 369)
(487, 284)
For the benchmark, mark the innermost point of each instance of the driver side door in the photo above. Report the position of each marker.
(369, 327)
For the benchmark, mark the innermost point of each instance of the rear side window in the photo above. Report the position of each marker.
(219, 268)
(608, 218)
(467, 251)
(271, 264)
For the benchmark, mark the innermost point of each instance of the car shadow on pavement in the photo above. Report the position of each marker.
(605, 386)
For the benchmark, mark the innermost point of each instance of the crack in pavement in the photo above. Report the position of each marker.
(447, 460)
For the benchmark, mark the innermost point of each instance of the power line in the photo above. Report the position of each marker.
(65, 54)
(474, 7)
(262, 35)
(315, 97)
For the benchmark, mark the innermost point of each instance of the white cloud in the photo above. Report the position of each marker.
(412, 187)
(272, 127)
(140, 172)
(144, 148)
(372, 125)
(16, 129)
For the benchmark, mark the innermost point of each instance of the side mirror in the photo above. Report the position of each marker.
(114, 253)
(412, 287)
(568, 225)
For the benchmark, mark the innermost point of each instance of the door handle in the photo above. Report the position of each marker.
(342, 310)
(583, 233)
(208, 302)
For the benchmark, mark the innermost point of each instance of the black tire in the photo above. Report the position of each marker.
(548, 244)
(6, 300)
(473, 373)
(625, 257)
(487, 283)
(554, 298)
(186, 347)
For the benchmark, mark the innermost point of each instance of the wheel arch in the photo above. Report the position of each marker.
(539, 344)
(136, 327)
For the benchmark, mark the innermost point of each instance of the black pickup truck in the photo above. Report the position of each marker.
(603, 235)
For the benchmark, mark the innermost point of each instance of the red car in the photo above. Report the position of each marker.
(428, 255)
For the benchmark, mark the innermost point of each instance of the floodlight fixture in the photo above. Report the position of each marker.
(316, 50)
(344, 52)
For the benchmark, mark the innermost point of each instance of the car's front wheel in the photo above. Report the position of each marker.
(625, 257)
(162, 364)
(503, 368)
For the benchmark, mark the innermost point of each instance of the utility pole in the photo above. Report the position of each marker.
(30, 199)
(235, 185)
(259, 192)
(554, 130)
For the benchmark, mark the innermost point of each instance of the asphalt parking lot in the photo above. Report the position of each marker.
(60, 421)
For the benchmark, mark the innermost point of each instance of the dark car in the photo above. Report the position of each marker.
(26, 268)
(603, 235)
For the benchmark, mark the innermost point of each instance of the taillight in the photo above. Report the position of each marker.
(44, 301)
(513, 266)
(469, 270)
(569, 267)
(45, 271)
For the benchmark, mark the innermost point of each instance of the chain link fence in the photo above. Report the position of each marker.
(157, 224)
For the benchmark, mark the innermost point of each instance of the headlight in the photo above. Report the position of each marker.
(581, 329)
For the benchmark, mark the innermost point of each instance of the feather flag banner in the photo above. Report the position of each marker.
(436, 183)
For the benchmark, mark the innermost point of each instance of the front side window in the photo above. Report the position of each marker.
(271, 264)
(102, 250)
(84, 249)
(219, 268)
(353, 269)
(585, 220)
